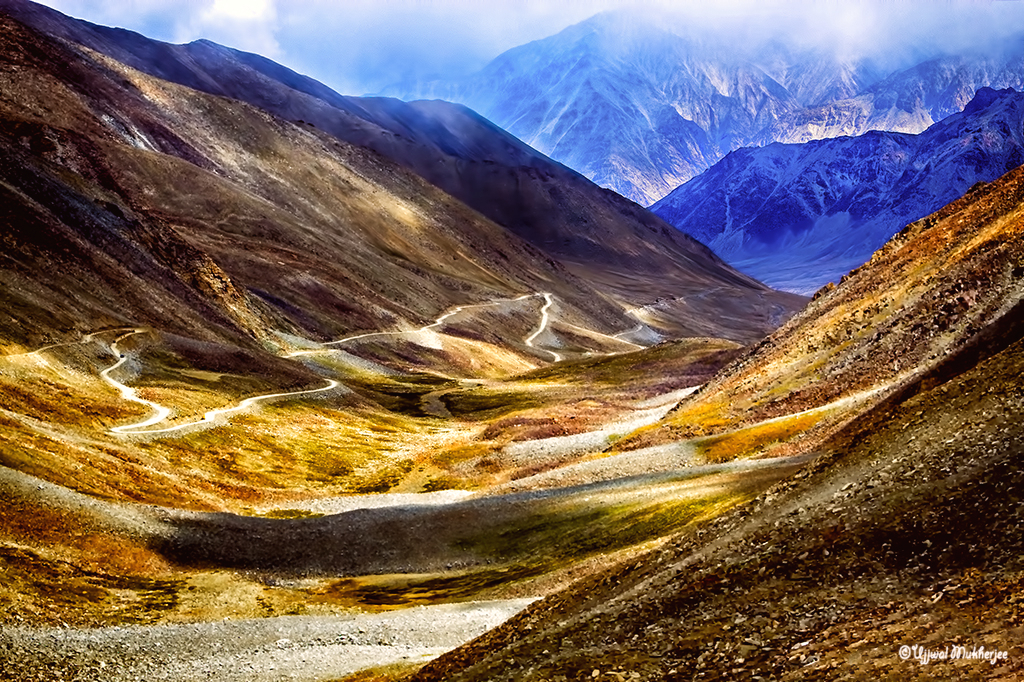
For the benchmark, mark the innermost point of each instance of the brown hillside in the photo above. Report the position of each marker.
(905, 530)
(925, 295)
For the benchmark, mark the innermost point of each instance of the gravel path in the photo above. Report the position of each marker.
(161, 413)
(347, 503)
(287, 648)
(556, 449)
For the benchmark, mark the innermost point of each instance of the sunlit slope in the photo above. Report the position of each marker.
(903, 529)
(279, 510)
(608, 240)
(278, 226)
(906, 530)
(939, 286)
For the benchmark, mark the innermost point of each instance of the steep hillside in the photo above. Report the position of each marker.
(282, 228)
(555, 209)
(903, 531)
(798, 216)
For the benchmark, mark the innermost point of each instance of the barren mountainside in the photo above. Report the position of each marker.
(555, 209)
(282, 227)
(907, 101)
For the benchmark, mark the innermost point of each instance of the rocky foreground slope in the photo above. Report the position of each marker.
(903, 532)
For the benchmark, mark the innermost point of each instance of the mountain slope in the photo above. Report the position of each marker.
(282, 229)
(903, 529)
(630, 106)
(907, 101)
(555, 209)
(799, 216)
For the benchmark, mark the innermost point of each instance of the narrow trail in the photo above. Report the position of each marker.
(645, 309)
(85, 339)
(161, 412)
(212, 416)
(545, 318)
(612, 337)
(634, 330)
(128, 393)
(435, 324)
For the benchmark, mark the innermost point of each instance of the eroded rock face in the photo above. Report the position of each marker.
(642, 110)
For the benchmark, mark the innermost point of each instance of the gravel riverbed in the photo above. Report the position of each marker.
(286, 648)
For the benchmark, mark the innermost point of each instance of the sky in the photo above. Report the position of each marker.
(361, 46)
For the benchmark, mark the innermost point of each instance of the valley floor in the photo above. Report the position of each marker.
(499, 489)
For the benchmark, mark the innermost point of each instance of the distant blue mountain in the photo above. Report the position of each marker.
(640, 110)
(799, 215)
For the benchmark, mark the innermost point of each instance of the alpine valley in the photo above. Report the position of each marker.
(300, 385)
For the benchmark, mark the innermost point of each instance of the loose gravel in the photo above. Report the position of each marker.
(287, 648)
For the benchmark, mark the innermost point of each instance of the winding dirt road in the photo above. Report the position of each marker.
(161, 412)
(545, 318)
(439, 322)
(85, 339)
(128, 393)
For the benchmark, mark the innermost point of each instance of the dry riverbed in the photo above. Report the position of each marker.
(286, 648)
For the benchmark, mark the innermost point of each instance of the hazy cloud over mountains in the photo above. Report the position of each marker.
(362, 46)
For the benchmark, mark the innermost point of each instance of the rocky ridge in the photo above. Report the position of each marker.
(800, 216)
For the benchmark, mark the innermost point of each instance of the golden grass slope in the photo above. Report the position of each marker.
(925, 295)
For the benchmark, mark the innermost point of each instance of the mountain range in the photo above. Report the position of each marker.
(640, 109)
(592, 233)
(801, 215)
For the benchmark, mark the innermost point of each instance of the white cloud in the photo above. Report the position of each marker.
(360, 46)
(245, 10)
(249, 25)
